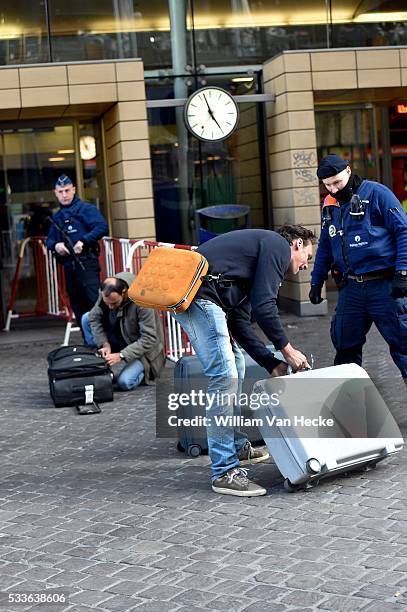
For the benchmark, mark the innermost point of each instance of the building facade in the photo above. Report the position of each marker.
(96, 90)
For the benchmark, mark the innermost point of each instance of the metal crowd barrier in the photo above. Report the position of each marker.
(116, 254)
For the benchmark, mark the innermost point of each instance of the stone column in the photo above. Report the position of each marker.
(293, 160)
(128, 156)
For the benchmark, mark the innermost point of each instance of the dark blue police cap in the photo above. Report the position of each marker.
(330, 165)
(63, 181)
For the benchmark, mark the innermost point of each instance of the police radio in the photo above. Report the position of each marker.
(357, 207)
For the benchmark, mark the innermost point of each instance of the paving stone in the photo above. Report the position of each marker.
(303, 582)
(271, 607)
(230, 587)
(344, 572)
(193, 597)
(265, 592)
(90, 598)
(158, 606)
(272, 577)
(377, 591)
(341, 587)
(379, 562)
(133, 573)
(173, 563)
(162, 592)
(97, 583)
(310, 568)
(384, 607)
(127, 587)
(228, 603)
(303, 598)
(194, 581)
(344, 604)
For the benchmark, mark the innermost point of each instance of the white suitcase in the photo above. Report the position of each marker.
(323, 422)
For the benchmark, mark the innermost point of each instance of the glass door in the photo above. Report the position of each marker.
(31, 158)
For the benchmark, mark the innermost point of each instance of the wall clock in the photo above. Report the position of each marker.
(211, 114)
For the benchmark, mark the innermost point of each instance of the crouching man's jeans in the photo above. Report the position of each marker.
(223, 364)
(130, 376)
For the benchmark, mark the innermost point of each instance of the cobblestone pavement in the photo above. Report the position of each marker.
(96, 507)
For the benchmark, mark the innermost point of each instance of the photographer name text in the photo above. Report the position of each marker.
(241, 421)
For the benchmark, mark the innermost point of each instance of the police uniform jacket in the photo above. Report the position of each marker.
(141, 329)
(81, 221)
(376, 241)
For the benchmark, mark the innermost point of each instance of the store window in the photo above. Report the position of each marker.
(398, 149)
(105, 29)
(368, 23)
(351, 133)
(189, 174)
(23, 32)
(219, 32)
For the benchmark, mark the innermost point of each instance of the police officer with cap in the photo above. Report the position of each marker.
(364, 239)
(74, 233)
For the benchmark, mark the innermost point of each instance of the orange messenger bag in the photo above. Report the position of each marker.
(168, 279)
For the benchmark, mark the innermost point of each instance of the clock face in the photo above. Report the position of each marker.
(87, 147)
(211, 114)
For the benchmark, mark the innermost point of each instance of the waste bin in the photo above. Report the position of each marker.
(214, 220)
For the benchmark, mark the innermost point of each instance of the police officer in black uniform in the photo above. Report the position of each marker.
(74, 233)
(364, 239)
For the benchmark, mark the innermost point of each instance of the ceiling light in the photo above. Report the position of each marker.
(56, 159)
(378, 17)
(242, 80)
(65, 151)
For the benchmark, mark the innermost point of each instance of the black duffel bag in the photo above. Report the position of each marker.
(79, 376)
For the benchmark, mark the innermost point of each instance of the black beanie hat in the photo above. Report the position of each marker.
(330, 165)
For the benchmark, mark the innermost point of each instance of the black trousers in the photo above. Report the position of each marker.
(82, 285)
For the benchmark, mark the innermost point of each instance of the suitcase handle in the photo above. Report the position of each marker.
(310, 365)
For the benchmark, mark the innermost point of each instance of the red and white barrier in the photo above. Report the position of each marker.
(51, 297)
(116, 254)
(176, 341)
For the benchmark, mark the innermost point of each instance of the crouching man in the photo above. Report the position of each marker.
(129, 337)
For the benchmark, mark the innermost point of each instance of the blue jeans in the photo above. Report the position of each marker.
(223, 364)
(131, 375)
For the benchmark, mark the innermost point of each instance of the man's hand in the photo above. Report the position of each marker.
(399, 286)
(78, 247)
(314, 295)
(61, 249)
(105, 350)
(113, 358)
(280, 370)
(295, 358)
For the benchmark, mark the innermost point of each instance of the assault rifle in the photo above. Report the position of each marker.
(67, 242)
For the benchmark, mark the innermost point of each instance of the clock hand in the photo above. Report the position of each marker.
(215, 120)
(209, 108)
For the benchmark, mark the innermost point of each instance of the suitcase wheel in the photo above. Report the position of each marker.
(290, 487)
(370, 466)
(194, 450)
